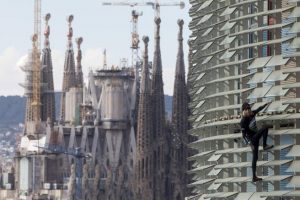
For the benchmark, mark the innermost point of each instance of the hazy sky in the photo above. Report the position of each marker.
(101, 27)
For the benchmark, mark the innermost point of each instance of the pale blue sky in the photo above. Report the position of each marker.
(101, 27)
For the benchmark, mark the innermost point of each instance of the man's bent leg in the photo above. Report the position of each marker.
(265, 132)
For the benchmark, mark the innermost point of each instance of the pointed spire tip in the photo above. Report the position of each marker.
(146, 39)
(70, 19)
(47, 29)
(47, 17)
(180, 22)
(79, 42)
(157, 20)
(70, 31)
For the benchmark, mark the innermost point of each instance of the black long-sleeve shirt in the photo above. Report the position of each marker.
(248, 124)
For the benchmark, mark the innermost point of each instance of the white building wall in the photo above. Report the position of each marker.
(73, 101)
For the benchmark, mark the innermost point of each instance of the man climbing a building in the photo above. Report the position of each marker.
(252, 134)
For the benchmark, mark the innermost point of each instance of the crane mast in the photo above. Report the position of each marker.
(36, 80)
(135, 15)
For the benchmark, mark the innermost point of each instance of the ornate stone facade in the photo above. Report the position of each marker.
(133, 156)
(69, 77)
(179, 150)
(144, 172)
(48, 97)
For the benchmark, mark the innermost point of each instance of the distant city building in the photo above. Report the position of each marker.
(244, 51)
(135, 152)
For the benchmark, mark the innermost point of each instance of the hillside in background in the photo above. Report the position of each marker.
(12, 108)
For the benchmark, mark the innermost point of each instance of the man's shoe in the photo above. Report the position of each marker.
(267, 147)
(255, 179)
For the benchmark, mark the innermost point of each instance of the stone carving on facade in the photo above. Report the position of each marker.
(85, 182)
(129, 139)
(72, 183)
(96, 185)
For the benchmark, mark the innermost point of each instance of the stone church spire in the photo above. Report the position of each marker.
(157, 90)
(144, 175)
(145, 80)
(160, 148)
(180, 122)
(179, 110)
(69, 77)
(48, 97)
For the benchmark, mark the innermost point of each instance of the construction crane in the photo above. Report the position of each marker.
(135, 16)
(154, 4)
(36, 79)
(78, 155)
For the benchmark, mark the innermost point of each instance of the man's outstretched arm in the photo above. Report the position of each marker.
(260, 108)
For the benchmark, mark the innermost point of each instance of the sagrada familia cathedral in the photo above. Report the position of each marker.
(129, 149)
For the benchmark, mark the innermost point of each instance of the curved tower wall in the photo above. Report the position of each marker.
(114, 104)
(244, 51)
(113, 141)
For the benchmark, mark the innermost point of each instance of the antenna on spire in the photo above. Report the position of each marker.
(47, 30)
(79, 56)
(104, 60)
(70, 32)
(180, 23)
(79, 42)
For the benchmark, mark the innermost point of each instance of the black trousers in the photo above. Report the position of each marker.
(263, 132)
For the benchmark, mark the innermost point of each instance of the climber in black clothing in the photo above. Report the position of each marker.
(252, 134)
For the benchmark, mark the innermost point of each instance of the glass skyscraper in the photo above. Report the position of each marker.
(244, 50)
